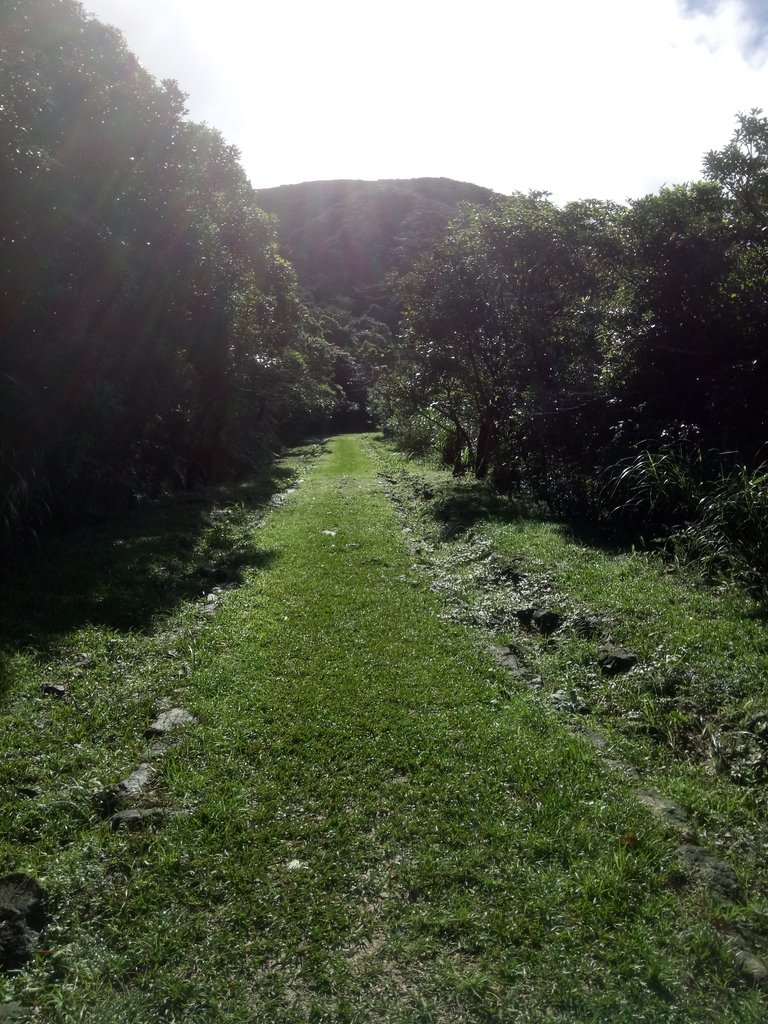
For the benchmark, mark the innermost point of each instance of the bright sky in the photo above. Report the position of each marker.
(583, 98)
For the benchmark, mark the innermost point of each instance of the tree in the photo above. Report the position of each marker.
(500, 332)
(668, 332)
(741, 169)
(151, 329)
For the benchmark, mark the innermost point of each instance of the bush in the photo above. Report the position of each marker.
(24, 497)
(661, 487)
(415, 435)
(707, 513)
(730, 533)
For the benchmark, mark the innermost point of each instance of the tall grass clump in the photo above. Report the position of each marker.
(24, 497)
(730, 533)
(417, 435)
(660, 487)
(703, 510)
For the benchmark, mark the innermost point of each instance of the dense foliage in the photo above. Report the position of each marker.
(154, 334)
(151, 330)
(542, 345)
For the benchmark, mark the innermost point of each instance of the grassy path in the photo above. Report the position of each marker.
(371, 832)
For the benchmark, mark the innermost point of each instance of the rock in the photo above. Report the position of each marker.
(543, 620)
(712, 871)
(138, 818)
(168, 720)
(137, 782)
(745, 959)
(546, 621)
(525, 616)
(131, 788)
(667, 810)
(601, 744)
(54, 690)
(616, 660)
(598, 741)
(22, 917)
(17, 941)
(561, 700)
(587, 626)
(22, 894)
(507, 657)
(623, 766)
(501, 570)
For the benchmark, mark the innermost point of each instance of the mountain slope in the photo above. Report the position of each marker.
(345, 237)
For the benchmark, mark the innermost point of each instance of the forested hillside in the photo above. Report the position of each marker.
(154, 333)
(346, 237)
(351, 242)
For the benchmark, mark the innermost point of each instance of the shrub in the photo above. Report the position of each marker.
(730, 532)
(707, 512)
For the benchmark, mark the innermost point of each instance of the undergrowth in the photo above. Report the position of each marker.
(707, 512)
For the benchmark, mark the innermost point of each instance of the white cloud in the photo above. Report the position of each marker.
(596, 98)
(752, 22)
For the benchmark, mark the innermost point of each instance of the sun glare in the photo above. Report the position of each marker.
(598, 98)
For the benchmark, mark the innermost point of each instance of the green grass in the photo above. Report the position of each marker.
(374, 827)
(685, 716)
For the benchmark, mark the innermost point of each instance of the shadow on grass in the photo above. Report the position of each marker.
(5, 676)
(125, 574)
(462, 504)
(612, 539)
(459, 506)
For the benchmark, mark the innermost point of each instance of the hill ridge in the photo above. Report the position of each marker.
(345, 236)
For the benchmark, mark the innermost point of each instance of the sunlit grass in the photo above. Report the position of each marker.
(688, 716)
(373, 827)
